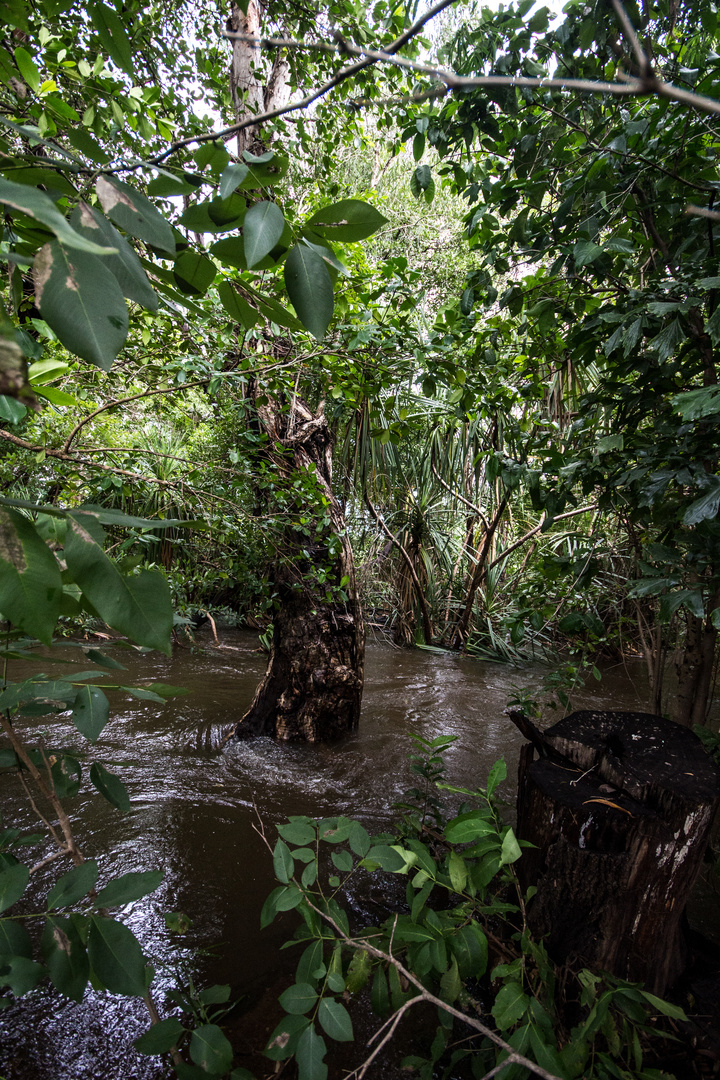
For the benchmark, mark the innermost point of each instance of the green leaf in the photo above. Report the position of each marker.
(496, 776)
(664, 1007)
(468, 827)
(386, 857)
(451, 983)
(420, 180)
(309, 1055)
(27, 69)
(110, 786)
(706, 507)
(457, 871)
(309, 287)
(104, 661)
(138, 606)
(669, 340)
(230, 178)
(335, 1020)
(82, 140)
(134, 213)
(116, 957)
(510, 1005)
(161, 1037)
(297, 832)
(20, 974)
(30, 583)
(112, 35)
(90, 712)
(73, 886)
(510, 851)
(237, 306)
(283, 862)
(36, 204)
(359, 839)
(11, 409)
(210, 1049)
(343, 861)
(262, 228)
(14, 939)
(470, 948)
(66, 957)
(80, 299)
(13, 883)
(126, 265)
(586, 252)
(284, 1039)
(298, 999)
(348, 220)
(194, 273)
(128, 887)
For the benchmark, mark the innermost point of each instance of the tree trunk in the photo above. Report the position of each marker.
(251, 93)
(694, 665)
(313, 684)
(619, 806)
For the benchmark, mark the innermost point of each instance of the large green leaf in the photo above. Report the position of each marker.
(110, 786)
(210, 1049)
(510, 1004)
(30, 583)
(13, 883)
(80, 299)
(309, 1055)
(298, 999)
(112, 35)
(262, 228)
(237, 306)
(73, 886)
(230, 178)
(126, 265)
(90, 712)
(36, 204)
(20, 974)
(347, 220)
(335, 1020)
(161, 1037)
(136, 606)
(66, 957)
(14, 939)
(116, 957)
(194, 273)
(129, 887)
(309, 287)
(134, 213)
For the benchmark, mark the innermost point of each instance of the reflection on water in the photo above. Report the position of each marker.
(194, 806)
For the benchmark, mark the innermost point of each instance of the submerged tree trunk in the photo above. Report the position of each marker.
(314, 680)
(618, 807)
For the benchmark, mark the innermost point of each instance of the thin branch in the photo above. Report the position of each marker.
(534, 531)
(393, 1023)
(47, 792)
(123, 401)
(627, 85)
(629, 32)
(427, 625)
(456, 494)
(340, 77)
(361, 943)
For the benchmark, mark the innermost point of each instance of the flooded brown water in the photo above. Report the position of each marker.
(194, 806)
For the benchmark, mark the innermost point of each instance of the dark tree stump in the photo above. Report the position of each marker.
(619, 806)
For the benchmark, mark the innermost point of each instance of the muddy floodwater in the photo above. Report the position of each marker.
(193, 810)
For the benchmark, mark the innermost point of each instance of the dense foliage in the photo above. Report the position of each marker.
(502, 298)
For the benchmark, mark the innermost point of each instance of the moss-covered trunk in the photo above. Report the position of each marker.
(313, 684)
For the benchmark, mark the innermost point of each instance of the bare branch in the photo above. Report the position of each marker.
(629, 32)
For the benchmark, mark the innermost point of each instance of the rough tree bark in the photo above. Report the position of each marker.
(619, 806)
(313, 684)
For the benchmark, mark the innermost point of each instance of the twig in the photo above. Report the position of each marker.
(627, 85)
(536, 529)
(214, 628)
(340, 77)
(629, 31)
(48, 793)
(393, 1022)
(362, 943)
